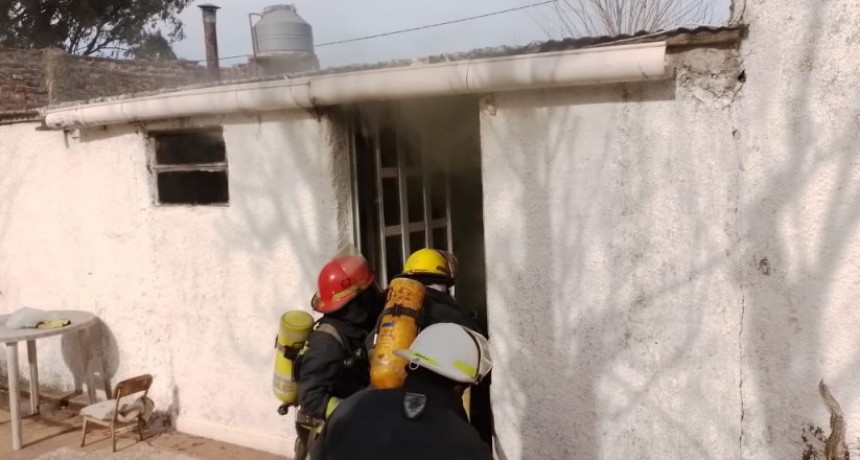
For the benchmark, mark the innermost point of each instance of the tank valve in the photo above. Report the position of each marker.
(283, 409)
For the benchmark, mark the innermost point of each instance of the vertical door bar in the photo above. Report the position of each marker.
(354, 130)
(404, 202)
(448, 204)
(450, 237)
(425, 196)
(380, 205)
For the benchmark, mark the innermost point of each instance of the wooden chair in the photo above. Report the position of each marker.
(122, 413)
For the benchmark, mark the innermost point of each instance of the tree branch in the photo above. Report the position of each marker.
(616, 17)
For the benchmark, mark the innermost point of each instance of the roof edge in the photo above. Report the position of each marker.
(9, 117)
(700, 36)
(567, 68)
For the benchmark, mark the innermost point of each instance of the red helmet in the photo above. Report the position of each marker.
(340, 281)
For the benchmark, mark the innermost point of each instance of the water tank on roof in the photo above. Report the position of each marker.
(283, 41)
(281, 29)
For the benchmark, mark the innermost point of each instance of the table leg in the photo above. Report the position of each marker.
(14, 394)
(34, 377)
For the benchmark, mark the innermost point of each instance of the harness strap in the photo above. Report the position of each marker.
(308, 421)
(288, 351)
(332, 331)
(400, 310)
(351, 355)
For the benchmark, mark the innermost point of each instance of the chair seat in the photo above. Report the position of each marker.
(125, 409)
(129, 410)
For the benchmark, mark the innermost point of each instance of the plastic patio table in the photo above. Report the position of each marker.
(80, 320)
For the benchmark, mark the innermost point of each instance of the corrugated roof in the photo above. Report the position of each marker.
(19, 116)
(702, 35)
(698, 36)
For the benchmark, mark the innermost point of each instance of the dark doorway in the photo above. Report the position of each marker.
(417, 183)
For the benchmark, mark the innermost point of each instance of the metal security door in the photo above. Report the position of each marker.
(401, 194)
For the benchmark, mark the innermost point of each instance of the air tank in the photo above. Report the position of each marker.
(283, 41)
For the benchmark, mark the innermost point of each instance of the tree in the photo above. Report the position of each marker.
(88, 27)
(580, 18)
(153, 46)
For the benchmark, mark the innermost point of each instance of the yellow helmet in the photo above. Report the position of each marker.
(432, 263)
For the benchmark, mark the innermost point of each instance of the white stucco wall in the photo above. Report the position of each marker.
(189, 294)
(800, 140)
(672, 268)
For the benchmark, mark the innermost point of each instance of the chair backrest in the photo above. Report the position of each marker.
(133, 385)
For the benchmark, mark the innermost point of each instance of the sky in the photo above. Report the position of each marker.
(334, 20)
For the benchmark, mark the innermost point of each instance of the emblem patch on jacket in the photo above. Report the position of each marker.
(414, 405)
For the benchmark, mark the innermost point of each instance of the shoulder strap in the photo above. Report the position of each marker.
(332, 331)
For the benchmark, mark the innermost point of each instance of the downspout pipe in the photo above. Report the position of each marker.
(591, 66)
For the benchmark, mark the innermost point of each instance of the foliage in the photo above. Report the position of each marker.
(88, 27)
(814, 440)
(153, 46)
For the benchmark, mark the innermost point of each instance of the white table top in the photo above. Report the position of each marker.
(79, 319)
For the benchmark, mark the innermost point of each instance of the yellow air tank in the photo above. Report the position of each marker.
(397, 329)
(296, 325)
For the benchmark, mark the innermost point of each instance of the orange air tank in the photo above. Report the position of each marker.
(397, 329)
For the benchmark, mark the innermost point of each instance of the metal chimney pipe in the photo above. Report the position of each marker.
(210, 34)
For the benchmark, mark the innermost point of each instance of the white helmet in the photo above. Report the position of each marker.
(450, 350)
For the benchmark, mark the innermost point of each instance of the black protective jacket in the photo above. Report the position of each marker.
(440, 307)
(327, 368)
(424, 420)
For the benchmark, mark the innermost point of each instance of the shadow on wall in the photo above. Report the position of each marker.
(165, 420)
(800, 232)
(92, 356)
(598, 275)
(789, 251)
(289, 205)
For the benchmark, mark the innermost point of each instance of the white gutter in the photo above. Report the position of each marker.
(591, 66)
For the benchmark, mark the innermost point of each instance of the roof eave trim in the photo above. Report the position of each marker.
(591, 66)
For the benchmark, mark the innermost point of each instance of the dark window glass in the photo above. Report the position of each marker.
(393, 255)
(192, 187)
(391, 201)
(416, 241)
(440, 238)
(415, 194)
(411, 155)
(388, 148)
(197, 147)
(438, 203)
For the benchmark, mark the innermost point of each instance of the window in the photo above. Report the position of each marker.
(189, 167)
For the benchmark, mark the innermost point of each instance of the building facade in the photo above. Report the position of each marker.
(664, 258)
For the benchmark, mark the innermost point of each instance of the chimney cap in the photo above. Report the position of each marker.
(208, 6)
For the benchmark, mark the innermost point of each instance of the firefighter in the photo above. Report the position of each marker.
(425, 418)
(333, 365)
(437, 270)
